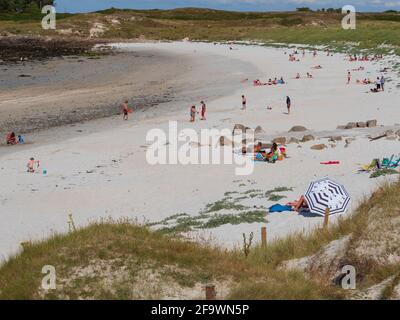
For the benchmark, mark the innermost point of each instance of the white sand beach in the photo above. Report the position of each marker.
(98, 169)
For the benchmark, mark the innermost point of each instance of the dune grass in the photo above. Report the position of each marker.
(309, 28)
(123, 244)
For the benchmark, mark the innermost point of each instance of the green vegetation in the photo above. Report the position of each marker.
(376, 32)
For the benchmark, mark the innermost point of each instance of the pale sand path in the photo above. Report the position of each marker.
(123, 184)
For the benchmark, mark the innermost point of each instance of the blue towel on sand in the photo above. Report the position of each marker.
(279, 208)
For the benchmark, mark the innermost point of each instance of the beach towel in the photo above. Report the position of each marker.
(279, 208)
(330, 162)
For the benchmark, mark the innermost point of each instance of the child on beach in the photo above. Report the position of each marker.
(244, 102)
(193, 114)
(125, 109)
(203, 110)
(288, 104)
(31, 165)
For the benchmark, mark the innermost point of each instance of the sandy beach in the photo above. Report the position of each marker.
(98, 169)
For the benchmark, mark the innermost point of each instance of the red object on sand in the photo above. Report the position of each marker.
(331, 162)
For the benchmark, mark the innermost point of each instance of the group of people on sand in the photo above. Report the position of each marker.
(193, 112)
(270, 82)
(13, 139)
(379, 84)
(353, 58)
(309, 76)
(271, 155)
(293, 58)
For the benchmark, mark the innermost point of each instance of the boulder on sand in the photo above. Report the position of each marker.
(239, 127)
(335, 138)
(361, 124)
(372, 123)
(351, 125)
(293, 140)
(298, 129)
(307, 138)
(279, 140)
(224, 141)
(258, 129)
(319, 147)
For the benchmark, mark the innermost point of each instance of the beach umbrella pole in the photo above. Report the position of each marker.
(326, 218)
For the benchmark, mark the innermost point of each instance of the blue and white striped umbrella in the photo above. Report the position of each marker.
(326, 193)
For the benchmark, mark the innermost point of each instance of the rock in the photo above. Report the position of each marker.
(351, 125)
(224, 141)
(308, 137)
(391, 137)
(239, 127)
(266, 145)
(372, 123)
(361, 124)
(375, 292)
(279, 140)
(389, 132)
(319, 147)
(258, 129)
(335, 138)
(293, 140)
(398, 133)
(298, 129)
(341, 127)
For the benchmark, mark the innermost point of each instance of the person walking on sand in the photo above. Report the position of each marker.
(383, 83)
(348, 77)
(288, 104)
(193, 114)
(125, 109)
(203, 110)
(244, 102)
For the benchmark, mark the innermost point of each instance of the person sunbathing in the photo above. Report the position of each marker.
(298, 76)
(309, 75)
(270, 83)
(274, 153)
(299, 205)
(317, 67)
(281, 81)
(11, 139)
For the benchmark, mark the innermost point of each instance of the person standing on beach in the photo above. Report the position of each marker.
(382, 83)
(193, 114)
(348, 77)
(244, 102)
(203, 110)
(378, 84)
(288, 104)
(125, 109)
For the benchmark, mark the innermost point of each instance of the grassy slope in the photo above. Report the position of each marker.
(212, 25)
(187, 264)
